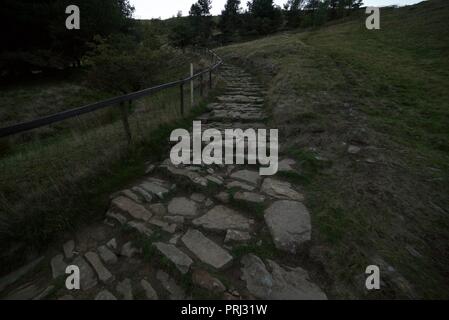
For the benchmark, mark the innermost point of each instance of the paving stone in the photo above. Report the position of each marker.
(209, 203)
(240, 185)
(205, 280)
(181, 260)
(280, 189)
(68, 248)
(116, 216)
(198, 197)
(259, 281)
(223, 197)
(158, 209)
(248, 176)
(221, 218)
(237, 236)
(249, 197)
(289, 224)
(150, 293)
(156, 187)
(193, 177)
(293, 284)
(88, 279)
(169, 284)
(107, 255)
(174, 240)
(205, 249)
(215, 179)
(143, 193)
(141, 228)
(105, 295)
(112, 244)
(128, 250)
(353, 149)
(170, 228)
(131, 195)
(66, 297)
(58, 266)
(125, 289)
(175, 219)
(182, 207)
(103, 274)
(132, 208)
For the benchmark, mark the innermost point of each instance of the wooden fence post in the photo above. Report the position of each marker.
(124, 111)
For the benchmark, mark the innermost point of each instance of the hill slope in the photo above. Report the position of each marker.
(367, 113)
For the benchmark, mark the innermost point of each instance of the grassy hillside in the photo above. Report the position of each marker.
(384, 92)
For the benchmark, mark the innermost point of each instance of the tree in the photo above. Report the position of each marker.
(266, 17)
(293, 12)
(34, 35)
(181, 35)
(201, 21)
(230, 18)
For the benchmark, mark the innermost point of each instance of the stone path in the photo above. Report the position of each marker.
(189, 232)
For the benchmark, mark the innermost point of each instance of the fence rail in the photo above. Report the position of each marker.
(112, 102)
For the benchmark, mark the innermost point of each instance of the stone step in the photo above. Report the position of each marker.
(206, 250)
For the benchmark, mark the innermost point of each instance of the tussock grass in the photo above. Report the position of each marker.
(386, 92)
(51, 185)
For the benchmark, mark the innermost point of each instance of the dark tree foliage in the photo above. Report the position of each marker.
(230, 22)
(34, 34)
(201, 21)
(266, 17)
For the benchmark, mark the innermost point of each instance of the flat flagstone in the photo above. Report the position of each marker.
(182, 206)
(131, 195)
(141, 228)
(107, 255)
(289, 224)
(150, 293)
(88, 279)
(169, 284)
(181, 260)
(155, 188)
(170, 228)
(221, 218)
(143, 193)
(240, 185)
(237, 236)
(205, 249)
(249, 197)
(280, 189)
(248, 176)
(105, 295)
(116, 216)
(103, 274)
(125, 289)
(280, 283)
(198, 197)
(132, 208)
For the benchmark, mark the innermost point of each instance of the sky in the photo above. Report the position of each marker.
(147, 9)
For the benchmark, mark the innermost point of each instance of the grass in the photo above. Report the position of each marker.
(386, 92)
(51, 185)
